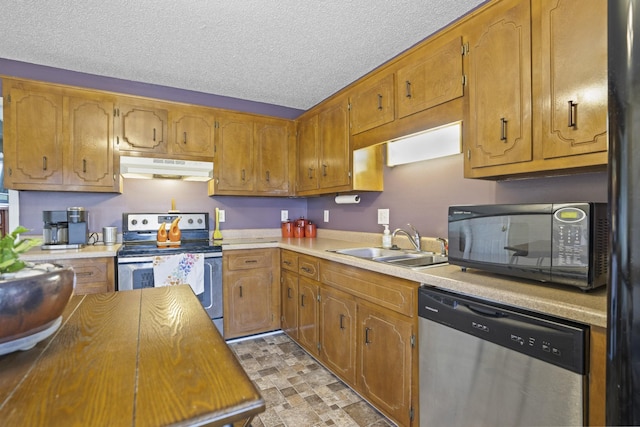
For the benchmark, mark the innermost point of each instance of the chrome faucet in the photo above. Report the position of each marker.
(443, 245)
(415, 239)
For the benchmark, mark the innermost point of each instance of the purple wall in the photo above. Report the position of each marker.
(420, 193)
(155, 196)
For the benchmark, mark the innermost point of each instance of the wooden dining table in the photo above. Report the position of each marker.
(149, 357)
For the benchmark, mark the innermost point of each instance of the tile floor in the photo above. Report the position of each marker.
(300, 392)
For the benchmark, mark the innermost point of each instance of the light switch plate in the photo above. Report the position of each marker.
(284, 215)
(383, 216)
(326, 216)
(221, 216)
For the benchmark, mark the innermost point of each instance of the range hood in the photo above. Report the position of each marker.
(150, 168)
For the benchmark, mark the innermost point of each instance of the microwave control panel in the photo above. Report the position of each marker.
(570, 237)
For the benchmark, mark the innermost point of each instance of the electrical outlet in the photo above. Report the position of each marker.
(383, 216)
(221, 216)
(326, 216)
(284, 215)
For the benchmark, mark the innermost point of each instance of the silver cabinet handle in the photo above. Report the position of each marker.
(240, 291)
(366, 335)
(302, 300)
(408, 87)
(342, 321)
(310, 174)
(268, 176)
(573, 112)
(185, 137)
(44, 163)
(379, 102)
(84, 165)
(154, 134)
(503, 133)
(324, 170)
(243, 174)
(289, 295)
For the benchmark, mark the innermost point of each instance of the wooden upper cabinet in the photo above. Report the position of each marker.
(252, 156)
(193, 132)
(499, 61)
(335, 150)
(32, 137)
(90, 133)
(432, 76)
(573, 77)
(372, 103)
(272, 156)
(58, 139)
(308, 153)
(234, 154)
(142, 128)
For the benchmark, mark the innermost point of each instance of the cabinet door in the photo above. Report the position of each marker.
(385, 357)
(90, 143)
(142, 129)
(247, 308)
(433, 77)
(335, 154)
(308, 314)
(372, 104)
(234, 154)
(338, 333)
(500, 86)
(33, 138)
(272, 157)
(193, 132)
(574, 77)
(289, 301)
(308, 152)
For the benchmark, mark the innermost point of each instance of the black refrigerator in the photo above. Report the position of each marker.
(623, 333)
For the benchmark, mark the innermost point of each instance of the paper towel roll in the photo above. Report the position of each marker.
(347, 199)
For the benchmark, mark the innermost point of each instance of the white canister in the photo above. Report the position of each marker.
(109, 235)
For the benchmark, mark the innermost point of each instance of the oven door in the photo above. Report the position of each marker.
(137, 273)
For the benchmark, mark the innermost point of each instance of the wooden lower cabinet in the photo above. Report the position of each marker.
(251, 294)
(338, 333)
(289, 301)
(308, 314)
(93, 275)
(385, 358)
(597, 376)
(361, 325)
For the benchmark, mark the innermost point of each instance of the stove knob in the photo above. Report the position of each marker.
(134, 221)
(145, 222)
(190, 221)
(199, 220)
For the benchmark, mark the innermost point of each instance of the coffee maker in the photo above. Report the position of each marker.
(65, 229)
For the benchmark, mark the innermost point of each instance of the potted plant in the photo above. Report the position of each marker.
(32, 297)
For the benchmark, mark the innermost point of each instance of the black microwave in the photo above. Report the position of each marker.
(566, 243)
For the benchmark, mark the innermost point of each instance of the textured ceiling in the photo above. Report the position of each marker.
(291, 53)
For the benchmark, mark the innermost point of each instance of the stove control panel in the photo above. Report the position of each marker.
(143, 222)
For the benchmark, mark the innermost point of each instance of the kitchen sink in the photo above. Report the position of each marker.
(369, 253)
(399, 257)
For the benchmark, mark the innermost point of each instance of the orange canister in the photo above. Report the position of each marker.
(298, 231)
(310, 230)
(287, 229)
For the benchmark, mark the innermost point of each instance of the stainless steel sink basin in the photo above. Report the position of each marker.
(369, 253)
(416, 261)
(399, 257)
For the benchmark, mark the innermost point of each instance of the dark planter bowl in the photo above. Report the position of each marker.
(30, 304)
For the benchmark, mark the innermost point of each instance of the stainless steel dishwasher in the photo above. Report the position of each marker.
(484, 364)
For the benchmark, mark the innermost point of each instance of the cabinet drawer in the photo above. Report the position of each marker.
(93, 275)
(248, 259)
(309, 267)
(289, 261)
